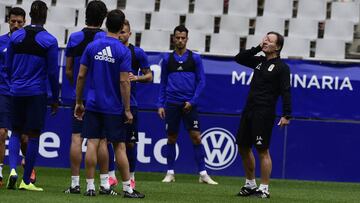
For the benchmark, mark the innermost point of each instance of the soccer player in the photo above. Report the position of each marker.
(32, 58)
(138, 62)
(182, 81)
(107, 63)
(16, 21)
(271, 79)
(95, 14)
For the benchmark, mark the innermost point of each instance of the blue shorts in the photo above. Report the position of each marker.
(28, 113)
(174, 113)
(132, 129)
(5, 111)
(99, 126)
(76, 125)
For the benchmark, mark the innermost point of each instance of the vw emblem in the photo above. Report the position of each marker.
(220, 148)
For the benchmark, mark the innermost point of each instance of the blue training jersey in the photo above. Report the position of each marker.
(4, 73)
(105, 58)
(75, 48)
(183, 84)
(139, 61)
(32, 59)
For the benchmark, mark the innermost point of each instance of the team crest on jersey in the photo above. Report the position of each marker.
(271, 67)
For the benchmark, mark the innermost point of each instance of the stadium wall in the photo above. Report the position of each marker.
(320, 144)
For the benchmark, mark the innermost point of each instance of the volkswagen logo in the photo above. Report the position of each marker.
(220, 148)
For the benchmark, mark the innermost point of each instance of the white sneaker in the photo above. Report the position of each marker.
(207, 180)
(169, 178)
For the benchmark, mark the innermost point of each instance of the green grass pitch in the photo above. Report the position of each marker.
(185, 189)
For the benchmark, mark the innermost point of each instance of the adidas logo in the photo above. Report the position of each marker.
(133, 138)
(259, 143)
(180, 68)
(105, 55)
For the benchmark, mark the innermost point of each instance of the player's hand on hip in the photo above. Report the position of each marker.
(187, 108)
(54, 107)
(132, 77)
(283, 122)
(129, 117)
(161, 112)
(79, 111)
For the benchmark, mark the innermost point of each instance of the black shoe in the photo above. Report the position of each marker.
(110, 191)
(135, 194)
(73, 190)
(262, 194)
(245, 191)
(90, 193)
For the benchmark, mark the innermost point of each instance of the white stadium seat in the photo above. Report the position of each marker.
(339, 29)
(267, 24)
(141, 5)
(164, 21)
(330, 49)
(81, 17)
(214, 7)
(8, 2)
(136, 19)
(234, 24)
(224, 43)
(278, 8)
(297, 47)
(174, 6)
(71, 3)
(312, 9)
(155, 40)
(345, 11)
(297, 25)
(111, 4)
(4, 28)
(196, 41)
(246, 8)
(62, 15)
(2, 13)
(200, 22)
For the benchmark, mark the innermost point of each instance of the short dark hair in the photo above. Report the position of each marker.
(17, 11)
(95, 13)
(127, 23)
(115, 21)
(181, 28)
(279, 40)
(38, 12)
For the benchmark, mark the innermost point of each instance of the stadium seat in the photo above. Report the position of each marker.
(200, 22)
(338, 29)
(267, 24)
(57, 31)
(4, 28)
(81, 18)
(111, 4)
(48, 2)
(253, 40)
(224, 43)
(278, 8)
(61, 15)
(71, 3)
(312, 9)
(141, 5)
(196, 41)
(234, 24)
(297, 25)
(8, 2)
(174, 6)
(155, 40)
(246, 8)
(164, 21)
(136, 19)
(330, 49)
(345, 11)
(297, 47)
(214, 7)
(2, 13)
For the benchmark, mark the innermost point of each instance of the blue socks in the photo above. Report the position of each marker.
(131, 153)
(171, 153)
(30, 158)
(14, 149)
(200, 156)
(111, 157)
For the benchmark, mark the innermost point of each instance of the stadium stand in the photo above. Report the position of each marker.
(346, 11)
(265, 24)
(4, 28)
(164, 21)
(278, 8)
(225, 43)
(302, 47)
(196, 41)
(155, 40)
(297, 25)
(339, 30)
(2, 12)
(329, 48)
(66, 14)
(136, 18)
(57, 31)
(312, 9)
(142, 5)
(72, 4)
(243, 7)
(214, 7)
(200, 22)
(234, 24)
(174, 6)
